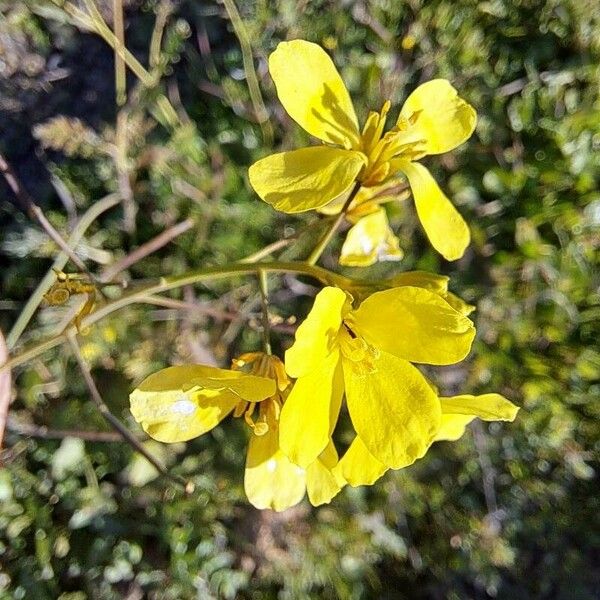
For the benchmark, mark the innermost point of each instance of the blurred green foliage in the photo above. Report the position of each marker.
(510, 511)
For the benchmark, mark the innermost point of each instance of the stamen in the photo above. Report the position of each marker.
(413, 118)
(350, 332)
(248, 414)
(238, 363)
(370, 128)
(373, 128)
(382, 119)
(261, 428)
(240, 408)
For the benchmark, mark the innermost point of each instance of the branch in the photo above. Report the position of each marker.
(188, 486)
(260, 110)
(26, 203)
(165, 284)
(162, 239)
(43, 432)
(320, 248)
(264, 300)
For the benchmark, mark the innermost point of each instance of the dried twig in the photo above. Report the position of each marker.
(43, 432)
(144, 250)
(188, 486)
(26, 203)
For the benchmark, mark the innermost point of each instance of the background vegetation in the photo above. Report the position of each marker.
(510, 511)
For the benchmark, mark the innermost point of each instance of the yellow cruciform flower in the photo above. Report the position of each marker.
(367, 352)
(433, 120)
(395, 410)
(183, 402)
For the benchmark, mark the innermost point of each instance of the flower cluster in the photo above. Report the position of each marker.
(354, 351)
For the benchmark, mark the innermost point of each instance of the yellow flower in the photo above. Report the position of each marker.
(183, 402)
(433, 120)
(367, 353)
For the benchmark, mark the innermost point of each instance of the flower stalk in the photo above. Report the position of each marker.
(323, 243)
(165, 284)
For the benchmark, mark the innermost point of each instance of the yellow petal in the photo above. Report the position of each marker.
(458, 304)
(321, 481)
(305, 179)
(316, 337)
(358, 466)
(445, 228)
(444, 120)
(311, 412)
(393, 410)
(313, 93)
(452, 427)
(415, 324)
(424, 279)
(489, 407)
(172, 409)
(271, 480)
(370, 240)
(251, 388)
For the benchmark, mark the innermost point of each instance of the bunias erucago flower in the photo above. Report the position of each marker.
(433, 120)
(367, 353)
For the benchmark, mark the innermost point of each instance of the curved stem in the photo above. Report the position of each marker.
(320, 248)
(164, 284)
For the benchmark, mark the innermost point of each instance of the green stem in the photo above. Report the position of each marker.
(164, 284)
(97, 24)
(120, 75)
(260, 110)
(320, 248)
(264, 297)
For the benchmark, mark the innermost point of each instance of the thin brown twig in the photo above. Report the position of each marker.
(215, 313)
(45, 433)
(188, 486)
(195, 307)
(26, 204)
(162, 239)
